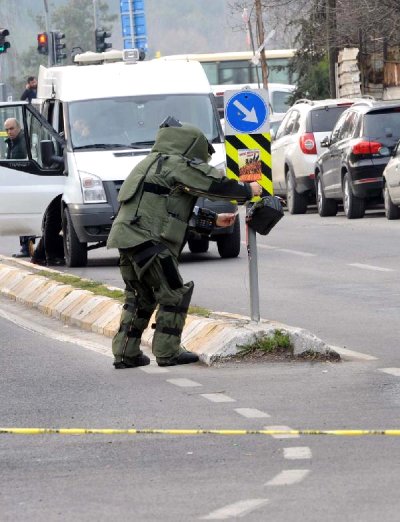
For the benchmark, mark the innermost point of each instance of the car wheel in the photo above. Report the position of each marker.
(296, 203)
(198, 245)
(75, 251)
(326, 207)
(392, 211)
(354, 208)
(229, 244)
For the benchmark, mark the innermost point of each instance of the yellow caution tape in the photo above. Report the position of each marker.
(107, 431)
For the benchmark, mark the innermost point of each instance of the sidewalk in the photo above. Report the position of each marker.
(213, 338)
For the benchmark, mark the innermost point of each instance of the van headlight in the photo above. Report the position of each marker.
(92, 188)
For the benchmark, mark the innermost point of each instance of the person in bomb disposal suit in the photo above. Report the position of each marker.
(156, 203)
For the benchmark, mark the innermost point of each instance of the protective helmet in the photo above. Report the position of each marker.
(175, 136)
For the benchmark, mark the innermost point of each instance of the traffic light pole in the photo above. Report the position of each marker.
(46, 16)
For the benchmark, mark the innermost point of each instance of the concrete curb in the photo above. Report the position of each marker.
(213, 338)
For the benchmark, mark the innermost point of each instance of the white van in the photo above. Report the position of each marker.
(89, 126)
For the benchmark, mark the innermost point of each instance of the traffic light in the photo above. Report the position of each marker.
(3, 44)
(58, 46)
(43, 43)
(100, 37)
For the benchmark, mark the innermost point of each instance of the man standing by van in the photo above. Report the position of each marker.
(156, 204)
(16, 149)
(31, 89)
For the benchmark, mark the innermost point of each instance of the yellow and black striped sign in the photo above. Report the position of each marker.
(248, 158)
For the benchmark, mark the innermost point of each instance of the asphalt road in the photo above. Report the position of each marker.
(336, 277)
(55, 376)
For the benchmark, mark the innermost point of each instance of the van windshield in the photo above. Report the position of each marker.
(133, 122)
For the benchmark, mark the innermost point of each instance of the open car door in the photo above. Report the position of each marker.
(28, 184)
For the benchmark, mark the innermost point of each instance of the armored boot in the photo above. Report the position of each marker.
(170, 320)
(126, 342)
(183, 357)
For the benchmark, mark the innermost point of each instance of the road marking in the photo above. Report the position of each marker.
(184, 383)
(391, 371)
(371, 267)
(251, 413)
(281, 428)
(297, 252)
(217, 397)
(288, 477)
(238, 509)
(297, 453)
(286, 250)
(351, 354)
(267, 247)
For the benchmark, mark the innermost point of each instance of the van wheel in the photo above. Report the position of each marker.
(392, 211)
(326, 207)
(229, 244)
(75, 251)
(198, 245)
(296, 203)
(354, 208)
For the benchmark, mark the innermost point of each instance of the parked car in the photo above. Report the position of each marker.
(391, 185)
(350, 170)
(274, 124)
(297, 145)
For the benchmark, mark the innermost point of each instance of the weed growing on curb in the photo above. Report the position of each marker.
(84, 284)
(278, 342)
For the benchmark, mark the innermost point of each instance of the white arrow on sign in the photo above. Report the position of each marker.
(250, 116)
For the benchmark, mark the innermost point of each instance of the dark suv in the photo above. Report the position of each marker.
(350, 169)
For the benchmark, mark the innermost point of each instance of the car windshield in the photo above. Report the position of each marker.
(325, 118)
(132, 122)
(384, 125)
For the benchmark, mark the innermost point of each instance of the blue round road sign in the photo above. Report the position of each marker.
(246, 111)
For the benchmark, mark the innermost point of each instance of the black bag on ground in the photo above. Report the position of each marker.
(263, 215)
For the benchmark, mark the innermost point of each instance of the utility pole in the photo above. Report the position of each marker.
(46, 17)
(95, 21)
(331, 37)
(261, 39)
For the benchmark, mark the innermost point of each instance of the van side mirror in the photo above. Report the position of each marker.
(325, 142)
(48, 154)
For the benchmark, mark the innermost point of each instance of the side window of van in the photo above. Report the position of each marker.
(13, 143)
(37, 134)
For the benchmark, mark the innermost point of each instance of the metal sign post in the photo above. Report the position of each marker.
(248, 158)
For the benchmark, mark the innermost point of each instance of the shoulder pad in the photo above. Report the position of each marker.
(206, 169)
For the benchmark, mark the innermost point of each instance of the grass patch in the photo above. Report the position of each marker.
(198, 310)
(84, 284)
(100, 289)
(277, 343)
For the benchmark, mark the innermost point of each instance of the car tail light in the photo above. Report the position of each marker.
(307, 143)
(366, 147)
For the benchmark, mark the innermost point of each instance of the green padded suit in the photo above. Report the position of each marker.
(156, 203)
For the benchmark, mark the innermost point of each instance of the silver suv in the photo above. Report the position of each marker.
(297, 145)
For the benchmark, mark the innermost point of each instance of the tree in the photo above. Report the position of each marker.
(324, 27)
(76, 20)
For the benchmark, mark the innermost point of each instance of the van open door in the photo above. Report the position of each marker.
(31, 168)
